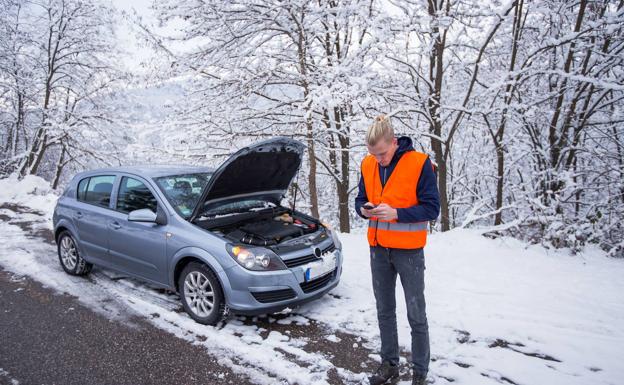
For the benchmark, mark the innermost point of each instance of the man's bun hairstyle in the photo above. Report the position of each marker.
(380, 129)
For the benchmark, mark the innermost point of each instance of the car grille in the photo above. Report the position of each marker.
(317, 283)
(329, 248)
(274, 295)
(290, 263)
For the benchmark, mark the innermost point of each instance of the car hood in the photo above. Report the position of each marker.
(263, 169)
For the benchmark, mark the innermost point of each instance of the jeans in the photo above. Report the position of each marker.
(386, 263)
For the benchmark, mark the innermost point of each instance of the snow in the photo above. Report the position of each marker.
(498, 309)
(552, 303)
(5, 374)
(32, 191)
(333, 338)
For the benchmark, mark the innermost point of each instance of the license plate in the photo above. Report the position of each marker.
(319, 268)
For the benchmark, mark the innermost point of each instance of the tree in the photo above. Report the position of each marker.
(442, 90)
(61, 73)
(285, 68)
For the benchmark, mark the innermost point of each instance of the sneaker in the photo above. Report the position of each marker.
(418, 379)
(384, 373)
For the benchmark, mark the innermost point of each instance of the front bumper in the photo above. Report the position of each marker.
(245, 288)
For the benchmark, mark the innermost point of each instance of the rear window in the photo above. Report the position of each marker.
(96, 190)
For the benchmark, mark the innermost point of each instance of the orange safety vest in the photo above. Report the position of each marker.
(398, 192)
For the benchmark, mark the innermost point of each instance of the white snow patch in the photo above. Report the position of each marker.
(552, 303)
(4, 373)
(333, 338)
(549, 316)
(31, 191)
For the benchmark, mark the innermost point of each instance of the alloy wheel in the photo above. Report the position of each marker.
(69, 255)
(198, 293)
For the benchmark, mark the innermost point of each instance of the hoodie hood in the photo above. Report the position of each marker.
(405, 144)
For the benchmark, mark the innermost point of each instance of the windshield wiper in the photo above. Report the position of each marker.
(214, 220)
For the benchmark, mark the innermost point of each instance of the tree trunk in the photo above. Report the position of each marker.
(620, 157)
(343, 186)
(19, 126)
(59, 168)
(312, 171)
(554, 139)
(9, 143)
(38, 156)
(500, 134)
(35, 152)
(303, 70)
(436, 73)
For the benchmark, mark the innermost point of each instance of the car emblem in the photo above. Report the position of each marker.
(317, 252)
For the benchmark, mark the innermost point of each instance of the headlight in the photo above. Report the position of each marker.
(333, 234)
(255, 258)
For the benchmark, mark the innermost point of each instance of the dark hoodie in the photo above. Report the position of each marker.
(428, 207)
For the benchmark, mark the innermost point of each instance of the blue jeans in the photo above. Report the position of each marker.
(386, 263)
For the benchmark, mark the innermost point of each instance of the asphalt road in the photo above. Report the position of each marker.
(47, 338)
(51, 338)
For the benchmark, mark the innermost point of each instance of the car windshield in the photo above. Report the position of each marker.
(183, 191)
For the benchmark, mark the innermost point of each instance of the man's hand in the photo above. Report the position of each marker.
(367, 213)
(383, 212)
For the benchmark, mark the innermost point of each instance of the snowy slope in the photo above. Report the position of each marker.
(499, 311)
(482, 292)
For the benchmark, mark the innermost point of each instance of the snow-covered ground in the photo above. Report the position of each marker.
(499, 311)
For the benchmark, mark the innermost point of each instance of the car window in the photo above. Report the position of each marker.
(99, 190)
(82, 188)
(134, 195)
(183, 191)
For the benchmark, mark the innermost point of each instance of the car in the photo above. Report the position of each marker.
(219, 238)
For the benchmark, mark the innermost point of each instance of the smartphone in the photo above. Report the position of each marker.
(368, 207)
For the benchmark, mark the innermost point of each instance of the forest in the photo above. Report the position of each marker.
(519, 104)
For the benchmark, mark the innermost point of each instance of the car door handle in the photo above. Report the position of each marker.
(78, 215)
(115, 225)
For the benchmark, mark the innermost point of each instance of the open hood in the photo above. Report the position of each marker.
(262, 169)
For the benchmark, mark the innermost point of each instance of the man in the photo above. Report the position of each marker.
(398, 193)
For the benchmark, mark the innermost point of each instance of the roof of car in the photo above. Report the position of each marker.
(150, 170)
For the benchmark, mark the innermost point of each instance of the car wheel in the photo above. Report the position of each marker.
(201, 294)
(70, 258)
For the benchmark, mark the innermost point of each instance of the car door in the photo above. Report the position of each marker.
(138, 248)
(90, 216)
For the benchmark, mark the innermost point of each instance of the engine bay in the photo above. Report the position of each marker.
(266, 227)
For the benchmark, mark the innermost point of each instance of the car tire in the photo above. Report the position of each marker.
(201, 294)
(69, 257)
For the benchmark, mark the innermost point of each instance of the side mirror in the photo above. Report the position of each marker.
(142, 215)
(146, 215)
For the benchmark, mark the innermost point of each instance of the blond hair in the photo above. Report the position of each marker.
(380, 129)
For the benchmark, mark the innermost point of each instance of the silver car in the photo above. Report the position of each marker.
(220, 238)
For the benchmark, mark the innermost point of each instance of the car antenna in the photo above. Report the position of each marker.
(295, 187)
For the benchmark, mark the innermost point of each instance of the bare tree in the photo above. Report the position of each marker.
(60, 73)
(17, 86)
(291, 68)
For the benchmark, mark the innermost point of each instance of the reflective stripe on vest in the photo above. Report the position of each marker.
(399, 191)
(398, 226)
